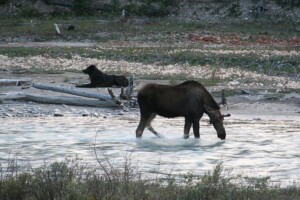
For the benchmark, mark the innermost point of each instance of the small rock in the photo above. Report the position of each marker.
(11, 109)
(257, 119)
(120, 113)
(7, 115)
(43, 8)
(234, 82)
(70, 27)
(245, 91)
(85, 113)
(95, 114)
(58, 115)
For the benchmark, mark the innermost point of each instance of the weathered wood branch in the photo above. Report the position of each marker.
(14, 82)
(77, 101)
(73, 92)
(127, 95)
(113, 96)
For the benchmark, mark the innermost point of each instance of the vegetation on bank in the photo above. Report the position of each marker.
(261, 61)
(150, 8)
(72, 179)
(141, 29)
(162, 42)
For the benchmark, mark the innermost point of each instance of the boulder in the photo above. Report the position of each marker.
(43, 8)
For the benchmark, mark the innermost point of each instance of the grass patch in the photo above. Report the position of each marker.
(168, 43)
(71, 179)
(154, 29)
(261, 62)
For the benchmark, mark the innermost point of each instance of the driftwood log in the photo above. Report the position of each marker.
(91, 99)
(76, 101)
(73, 91)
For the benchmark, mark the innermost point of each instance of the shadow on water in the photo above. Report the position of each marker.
(175, 144)
(265, 147)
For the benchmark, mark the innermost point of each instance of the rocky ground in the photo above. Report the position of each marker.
(245, 102)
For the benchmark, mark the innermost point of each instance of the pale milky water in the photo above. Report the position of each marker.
(255, 148)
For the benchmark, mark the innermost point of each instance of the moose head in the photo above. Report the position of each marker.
(216, 118)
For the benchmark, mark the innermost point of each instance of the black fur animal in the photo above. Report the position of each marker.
(100, 79)
(189, 100)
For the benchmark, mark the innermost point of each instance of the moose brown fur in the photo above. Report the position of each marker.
(189, 99)
(100, 79)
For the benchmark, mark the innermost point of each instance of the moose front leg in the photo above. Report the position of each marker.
(187, 127)
(196, 127)
(141, 127)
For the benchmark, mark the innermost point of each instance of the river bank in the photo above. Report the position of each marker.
(254, 101)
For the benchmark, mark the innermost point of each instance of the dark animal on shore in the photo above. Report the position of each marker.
(100, 79)
(189, 99)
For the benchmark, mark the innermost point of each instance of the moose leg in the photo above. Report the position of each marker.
(196, 128)
(141, 127)
(150, 127)
(187, 127)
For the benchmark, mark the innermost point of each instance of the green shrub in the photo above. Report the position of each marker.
(2, 2)
(28, 11)
(82, 7)
(152, 8)
(71, 179)
(235, 10)
(288, 3)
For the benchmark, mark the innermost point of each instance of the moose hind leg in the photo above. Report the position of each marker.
(187, 127)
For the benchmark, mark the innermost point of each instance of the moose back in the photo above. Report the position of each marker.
(189, 99)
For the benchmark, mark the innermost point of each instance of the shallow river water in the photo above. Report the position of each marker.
(261, 147)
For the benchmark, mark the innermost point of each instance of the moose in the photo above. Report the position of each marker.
(189, 99)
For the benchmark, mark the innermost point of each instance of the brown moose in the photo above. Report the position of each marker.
(189, 99)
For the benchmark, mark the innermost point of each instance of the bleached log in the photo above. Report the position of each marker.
(14, 82)
(73, 92)
(77, 101)
(12, 96)
(57, 29)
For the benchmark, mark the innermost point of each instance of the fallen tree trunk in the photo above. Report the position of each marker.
(73, 92)
(77, 101)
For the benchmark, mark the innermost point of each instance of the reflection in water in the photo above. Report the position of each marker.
(266, 148)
